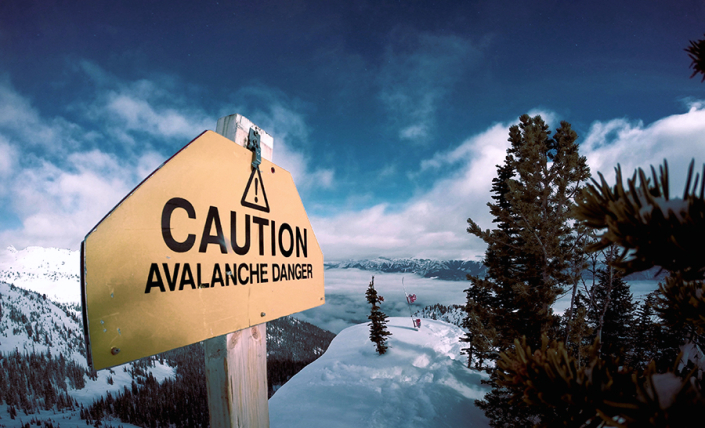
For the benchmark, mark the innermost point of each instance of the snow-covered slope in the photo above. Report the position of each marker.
(51, 271)
(453, 314)
(421, 381)
(31, 323)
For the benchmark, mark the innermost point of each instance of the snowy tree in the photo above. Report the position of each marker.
(378, 327)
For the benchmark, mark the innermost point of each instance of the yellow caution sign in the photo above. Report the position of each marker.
(204, 246)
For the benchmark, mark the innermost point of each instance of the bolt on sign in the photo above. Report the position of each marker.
(206, 245)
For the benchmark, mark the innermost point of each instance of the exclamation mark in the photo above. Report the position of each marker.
(256, 187)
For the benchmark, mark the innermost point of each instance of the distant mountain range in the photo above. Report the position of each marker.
(450, 270)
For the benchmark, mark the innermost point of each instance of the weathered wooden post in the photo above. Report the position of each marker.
(209, 247)
(236, 363)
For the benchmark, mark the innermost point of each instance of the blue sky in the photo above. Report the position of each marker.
(391, 116)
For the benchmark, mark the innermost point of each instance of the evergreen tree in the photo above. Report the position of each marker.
(644, 333)
(529, 253)
(653, 230)
(491, 299)
(378, 327)
(480, 335)
(696, 52)
(611, 312)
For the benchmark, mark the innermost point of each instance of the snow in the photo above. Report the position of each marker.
(421, 381)
(94, 389)
(63, 419)
(59, 333)
(346, 304)
(51, 271)
(666, 386)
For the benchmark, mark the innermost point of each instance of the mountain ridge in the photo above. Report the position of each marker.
(450, 270)
(453, 270)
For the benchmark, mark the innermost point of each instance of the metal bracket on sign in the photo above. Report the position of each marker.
(254, 145)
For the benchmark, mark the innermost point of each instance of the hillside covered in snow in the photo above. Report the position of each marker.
(421, 381)
(54, 272)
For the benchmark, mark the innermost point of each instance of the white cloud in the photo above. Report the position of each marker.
(132, 111)
(676, 138)
(20, 121)
(418, 70)
(59, 205)
(127, 109)
(289, 129)
(346, 304)
(58, 195)
(8, 159)
(299, 167)
(432, 224)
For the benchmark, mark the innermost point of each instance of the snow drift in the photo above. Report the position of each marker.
(421, 381)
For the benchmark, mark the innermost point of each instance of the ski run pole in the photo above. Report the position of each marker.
(411, 315)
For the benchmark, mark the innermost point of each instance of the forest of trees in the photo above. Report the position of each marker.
(38, 381)
(183, 401)
(605, 360)
(608, 360)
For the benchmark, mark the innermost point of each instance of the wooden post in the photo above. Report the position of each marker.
(236, 363)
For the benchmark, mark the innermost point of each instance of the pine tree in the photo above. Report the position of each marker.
(480, 335)
(491, 299)
(696, 52)
(653, 230)
(378, 327)
(644, 333)
(611, 312)
(529, 253)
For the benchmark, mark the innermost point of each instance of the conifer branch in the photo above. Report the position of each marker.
(652, 229)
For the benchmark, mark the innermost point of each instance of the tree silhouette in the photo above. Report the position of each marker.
(696, 52)
(378, 327)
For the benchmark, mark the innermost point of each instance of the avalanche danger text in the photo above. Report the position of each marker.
(283, 239)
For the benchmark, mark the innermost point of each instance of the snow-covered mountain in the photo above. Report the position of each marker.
(422, 381)
(54, 272)
(31, 323)
(43, 367)
(452, 270)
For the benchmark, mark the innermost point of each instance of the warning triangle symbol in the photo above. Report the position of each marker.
(255, 196)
